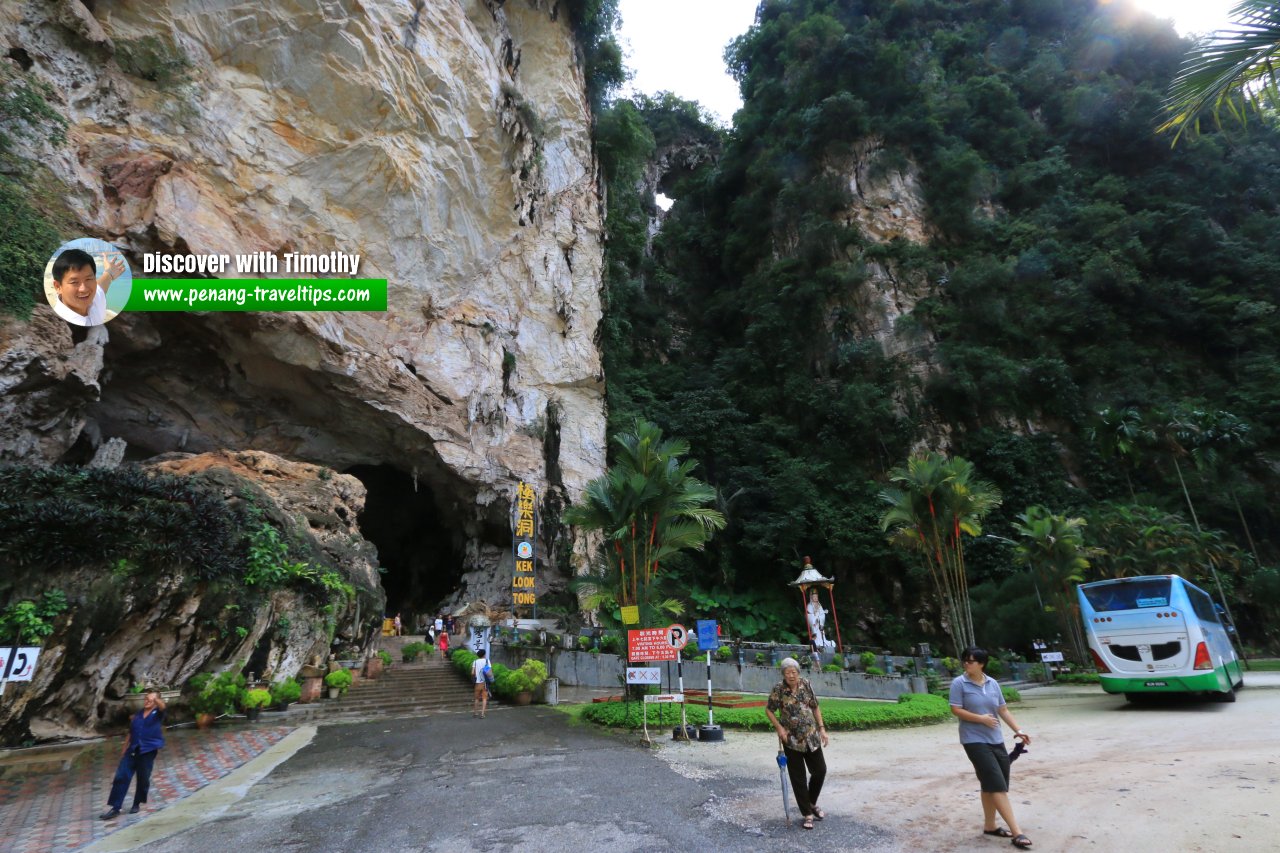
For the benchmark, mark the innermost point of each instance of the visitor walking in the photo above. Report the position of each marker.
(443, 643)
(439, 624)
(976, 699)
(793, 710)
(399, 626)
(480, 685)
(144, 741)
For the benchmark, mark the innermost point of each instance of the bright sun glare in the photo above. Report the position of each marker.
(1189, 16)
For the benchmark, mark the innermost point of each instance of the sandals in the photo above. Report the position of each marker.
(819, 814)
(999, 832)
(808, 822)
(1021, 841)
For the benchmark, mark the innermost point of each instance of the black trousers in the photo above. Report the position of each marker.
(806, 792)
(131, 763)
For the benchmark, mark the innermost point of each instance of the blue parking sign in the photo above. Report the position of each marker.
(708, 641)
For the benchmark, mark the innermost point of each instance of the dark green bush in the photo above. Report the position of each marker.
(839, 714)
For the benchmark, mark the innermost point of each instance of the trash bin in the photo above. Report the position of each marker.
(551, 691)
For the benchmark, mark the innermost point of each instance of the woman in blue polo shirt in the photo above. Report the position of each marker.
(976, 700)
(146, 737)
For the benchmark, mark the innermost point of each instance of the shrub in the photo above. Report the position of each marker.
(284, 692)
(410, 651)
(874, 670)
(256, 698)
(724, 654)
(838, 660)
(761, 658)
(1078, 678)
(529, 677)
(995, 667)
(911, 709)
(339, 678)
(610, 644)
(831, 667)
(1011, 695)
(867, 659)
(385, 657)
(216, 695)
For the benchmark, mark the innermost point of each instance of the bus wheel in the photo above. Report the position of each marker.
(1228, 696)
(1137, 698)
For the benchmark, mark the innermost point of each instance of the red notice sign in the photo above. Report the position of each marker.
(649, 644)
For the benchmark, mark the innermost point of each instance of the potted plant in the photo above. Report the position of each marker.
(254, 701)
(337, 681)
(212, 696)
(284, 692)
(528, 678)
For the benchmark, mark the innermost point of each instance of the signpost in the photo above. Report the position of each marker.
(708, 639)
(524, 524)
(17, 664)
(644, 675)
(650, 644)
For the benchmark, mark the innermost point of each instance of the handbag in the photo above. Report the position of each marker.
(488, 675)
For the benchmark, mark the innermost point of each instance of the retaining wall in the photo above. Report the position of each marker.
(583, 669)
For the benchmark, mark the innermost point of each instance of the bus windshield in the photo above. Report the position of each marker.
(1128, 595)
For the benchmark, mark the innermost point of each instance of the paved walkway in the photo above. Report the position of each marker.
(53, 812)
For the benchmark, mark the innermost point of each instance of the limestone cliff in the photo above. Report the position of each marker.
(447, 143)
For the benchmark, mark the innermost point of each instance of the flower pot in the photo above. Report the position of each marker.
(204, 721)
(252, 714)
(134, 702)
(280, 706)
(524, 697)
(334, 693)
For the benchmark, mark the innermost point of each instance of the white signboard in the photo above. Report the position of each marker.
(1051, 657)
(664, 699)
(644, 675)
(24, 662)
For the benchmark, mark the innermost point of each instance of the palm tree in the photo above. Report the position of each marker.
(1235, 70)
(647, 507)
(1120, 433)
(933, 503)
(1053, 548)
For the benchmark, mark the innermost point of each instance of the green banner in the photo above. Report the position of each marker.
(257, 294)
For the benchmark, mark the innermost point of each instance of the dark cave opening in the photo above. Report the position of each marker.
(421, 557)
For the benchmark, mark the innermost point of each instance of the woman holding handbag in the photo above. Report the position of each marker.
(480, 675)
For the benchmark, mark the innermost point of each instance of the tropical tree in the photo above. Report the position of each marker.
(1233, 70)
(1132, 540)
(1121, 434)
(648, 507)
(933, 504)
(1052, 546)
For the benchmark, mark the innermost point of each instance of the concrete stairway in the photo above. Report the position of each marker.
(426, 687)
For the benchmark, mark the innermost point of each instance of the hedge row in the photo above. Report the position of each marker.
(911, 709)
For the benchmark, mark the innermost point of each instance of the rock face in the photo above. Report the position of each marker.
(130, 629)
(447, 143)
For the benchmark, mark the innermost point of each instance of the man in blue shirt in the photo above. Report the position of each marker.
(146, 737)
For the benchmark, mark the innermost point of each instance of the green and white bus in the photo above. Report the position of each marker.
(1158, 634)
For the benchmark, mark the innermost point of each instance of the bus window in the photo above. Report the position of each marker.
(1201, 604)
(1128, 595)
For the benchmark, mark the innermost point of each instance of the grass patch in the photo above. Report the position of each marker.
(1266, 665)
(912, 709)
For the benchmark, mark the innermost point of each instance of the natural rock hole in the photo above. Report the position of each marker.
(417, 546)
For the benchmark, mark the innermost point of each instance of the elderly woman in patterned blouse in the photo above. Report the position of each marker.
(793, 710)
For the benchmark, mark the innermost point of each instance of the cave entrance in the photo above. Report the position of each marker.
(421, 556)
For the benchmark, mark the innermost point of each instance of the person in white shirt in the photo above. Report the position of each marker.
(480, 697)
(82, 293)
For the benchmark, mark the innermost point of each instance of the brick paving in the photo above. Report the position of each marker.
(55, 812)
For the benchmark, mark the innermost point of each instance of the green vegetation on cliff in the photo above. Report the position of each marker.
(1076, 266)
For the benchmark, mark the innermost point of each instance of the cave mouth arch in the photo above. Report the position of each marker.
(421, 555)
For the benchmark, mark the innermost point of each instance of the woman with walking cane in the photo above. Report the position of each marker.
(793, 710)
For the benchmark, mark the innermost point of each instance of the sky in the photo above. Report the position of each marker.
(688, 58)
